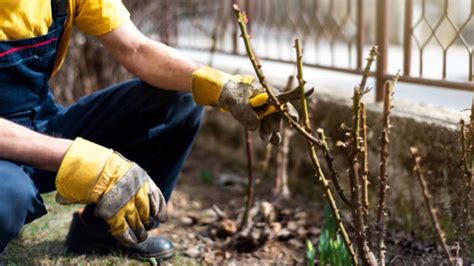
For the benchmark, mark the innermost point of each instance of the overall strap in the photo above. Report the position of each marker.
(59, 8)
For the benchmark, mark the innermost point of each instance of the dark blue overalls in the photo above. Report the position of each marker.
(151, 126)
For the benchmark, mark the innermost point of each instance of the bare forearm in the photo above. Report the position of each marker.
(20, 144)
(156, 63)
(164, 67)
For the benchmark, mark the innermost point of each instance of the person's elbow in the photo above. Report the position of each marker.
(126, 44)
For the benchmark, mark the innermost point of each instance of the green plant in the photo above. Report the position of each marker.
(331, 247)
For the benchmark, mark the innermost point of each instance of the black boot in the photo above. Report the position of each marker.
(89, 238)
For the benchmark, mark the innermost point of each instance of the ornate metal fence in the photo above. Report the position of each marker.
(336, 34)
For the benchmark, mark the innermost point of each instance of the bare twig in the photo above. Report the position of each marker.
(314, 158)
(312, 141)
(301, 84)
(358, 221)
(381, 212)
(466, 213)
(250, 186)
(365, 173)
(242, 20)
(468, 167)
(332, 203)
(464, 143)
(470, 179)
(429, 205)
(333, 174)
(471, 153)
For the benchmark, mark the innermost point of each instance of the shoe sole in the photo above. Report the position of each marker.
(88, 247)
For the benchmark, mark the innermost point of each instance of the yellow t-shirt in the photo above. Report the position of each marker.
(22, 19)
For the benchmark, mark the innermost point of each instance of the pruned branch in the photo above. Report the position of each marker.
(333, 174)
(314, 159)
(354, 171)
(389, 87)
(365, 173)
(466, 213)
(464, 143)
(242, 20)
(301, 85)
(429, 205)
(467, 140)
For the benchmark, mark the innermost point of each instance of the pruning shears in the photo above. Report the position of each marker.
(263, 106)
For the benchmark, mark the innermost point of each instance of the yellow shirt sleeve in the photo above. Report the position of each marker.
(98, 17)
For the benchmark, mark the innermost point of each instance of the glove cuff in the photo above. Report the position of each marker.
(80, 169)
(207, 85)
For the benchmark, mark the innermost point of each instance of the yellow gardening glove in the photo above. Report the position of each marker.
(229, 92)
(244, 98)
(125, 195)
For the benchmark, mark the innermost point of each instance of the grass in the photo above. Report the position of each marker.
(42, 243)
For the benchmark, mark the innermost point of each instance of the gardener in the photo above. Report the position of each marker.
(81, 150)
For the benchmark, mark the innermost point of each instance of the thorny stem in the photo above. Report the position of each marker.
(381, 212)
(312, 141)
(358, 221)
(429, 205)
(332, 203)
(242, 20)
(365, 173)
(465, 157)
(463, 225)
(302, 83)
(467, 144)
(471, 153)
(314, 158)
(250, 186)
(334, 176)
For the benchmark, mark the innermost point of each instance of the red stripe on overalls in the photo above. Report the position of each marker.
(17, 49)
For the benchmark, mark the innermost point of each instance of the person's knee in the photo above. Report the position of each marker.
(22, 201)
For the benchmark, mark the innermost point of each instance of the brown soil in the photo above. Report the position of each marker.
(193, 197)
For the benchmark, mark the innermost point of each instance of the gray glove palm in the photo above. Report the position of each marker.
(248, 103)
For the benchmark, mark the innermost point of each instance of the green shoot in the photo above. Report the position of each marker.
(331, 247)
